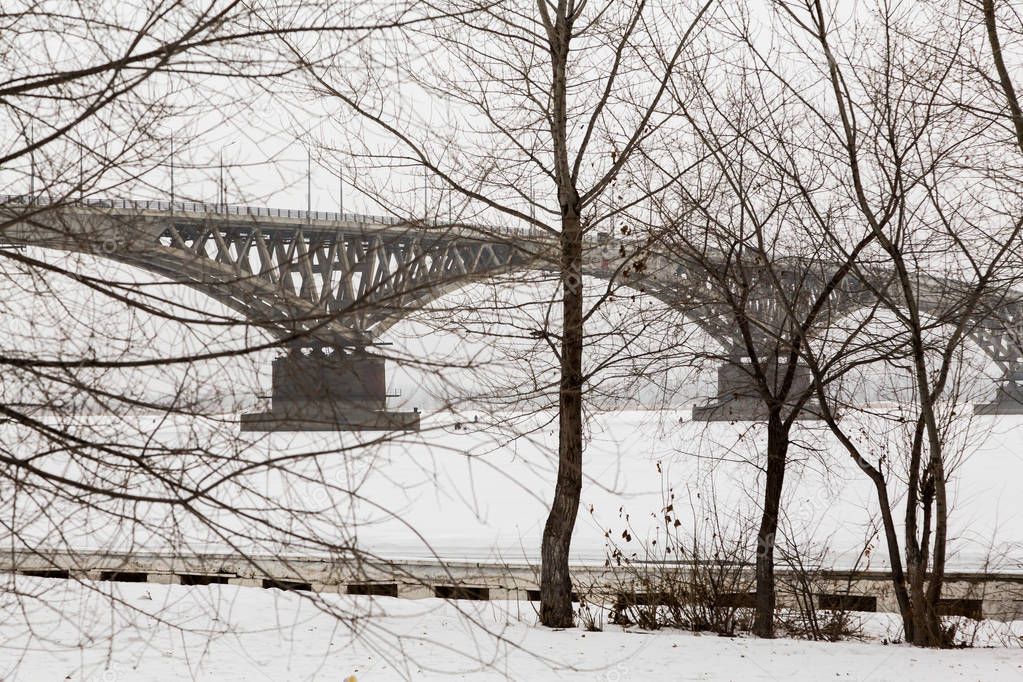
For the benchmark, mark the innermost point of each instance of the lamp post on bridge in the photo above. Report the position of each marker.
(223, 187)
(172, 175)
(31, 162)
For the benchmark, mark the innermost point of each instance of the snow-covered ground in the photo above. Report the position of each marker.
(72, 631)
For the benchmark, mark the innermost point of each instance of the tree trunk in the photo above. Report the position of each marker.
(892, 541)
(937, 578)
(926, 488)
(887, 518)
(777, 449)
(926, 590)
(555, 579)
(926, 623)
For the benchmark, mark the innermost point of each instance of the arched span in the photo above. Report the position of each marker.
(340, 279)
(345, 279)
(660, 279)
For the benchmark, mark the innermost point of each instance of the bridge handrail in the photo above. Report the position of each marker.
(238, 209)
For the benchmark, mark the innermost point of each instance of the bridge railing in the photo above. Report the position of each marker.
(196, 207)
(202, 208)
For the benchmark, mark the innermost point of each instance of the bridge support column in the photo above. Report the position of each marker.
(1008, 396)
(324, 388)
(738, 398)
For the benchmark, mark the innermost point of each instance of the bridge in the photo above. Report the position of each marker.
(327, 286)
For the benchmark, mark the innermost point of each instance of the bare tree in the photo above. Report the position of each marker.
(757, 226)
(1005, 83)
(768, 222)
(536, 110)
(944, 262)
(119, 394)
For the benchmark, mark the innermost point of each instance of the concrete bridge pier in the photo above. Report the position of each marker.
(329, 388)
(738, 398)
(1008, 396)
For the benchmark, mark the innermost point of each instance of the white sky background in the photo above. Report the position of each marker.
(266, 137)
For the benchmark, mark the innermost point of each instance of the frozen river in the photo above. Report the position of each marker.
(476, 487)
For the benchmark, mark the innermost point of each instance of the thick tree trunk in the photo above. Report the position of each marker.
(555, 579)
(1004, 78)
(925, 589)
(926, 631)
(926, 488)
(937, 577)
(887, 520)
(894, 558)
(777, 450)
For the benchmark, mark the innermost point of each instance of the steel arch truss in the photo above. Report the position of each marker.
(348, 285)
